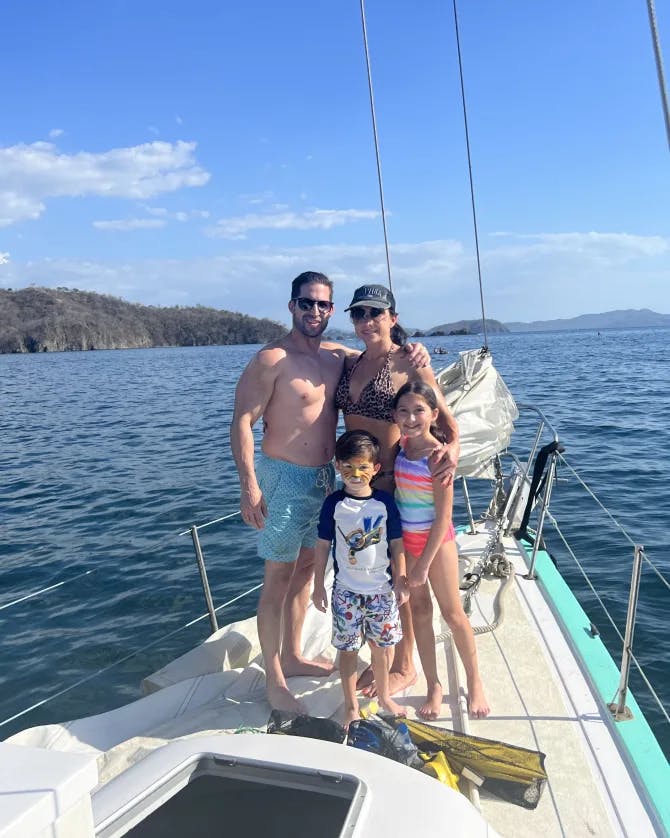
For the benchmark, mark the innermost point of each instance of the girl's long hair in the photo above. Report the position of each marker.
(427, 393)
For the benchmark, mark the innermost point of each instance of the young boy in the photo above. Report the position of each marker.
(363, 526)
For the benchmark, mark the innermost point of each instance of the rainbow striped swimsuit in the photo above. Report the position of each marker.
(414, 498)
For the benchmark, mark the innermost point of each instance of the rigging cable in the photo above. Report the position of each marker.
(659, 65)
(472, 186)
(374, 132)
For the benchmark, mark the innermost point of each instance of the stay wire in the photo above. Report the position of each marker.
(472, 185)
(376, 140)
(656, 41)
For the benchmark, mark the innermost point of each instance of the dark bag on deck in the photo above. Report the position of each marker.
(310, 726)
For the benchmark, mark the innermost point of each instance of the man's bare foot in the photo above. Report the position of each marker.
(281, 698)
(292, 666)
(399, 680)
(432, 707)
(391, 707)
(478, 706)
(350, 715)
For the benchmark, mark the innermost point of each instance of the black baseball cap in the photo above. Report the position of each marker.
(373, 296)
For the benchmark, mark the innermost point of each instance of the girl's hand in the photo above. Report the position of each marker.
(320, 598)
(418, 575)
(401, 591)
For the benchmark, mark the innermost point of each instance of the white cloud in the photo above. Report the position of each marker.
(434, 281)
(124, 224)
(181, 215)
(30, 174)
(4, 258)
(56, 132)
(319, 219)
(258, 198)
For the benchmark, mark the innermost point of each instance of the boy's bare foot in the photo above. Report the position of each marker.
(293, 665)
(478, 706)
(391, 707)
(399, 680)
(432, 707)
(281, 698)
(350, 715)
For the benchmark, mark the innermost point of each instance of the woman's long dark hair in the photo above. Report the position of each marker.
(398, 334)
(420, 388)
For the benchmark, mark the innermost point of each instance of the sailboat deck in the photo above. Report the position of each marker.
(540, 700)
(538, 694)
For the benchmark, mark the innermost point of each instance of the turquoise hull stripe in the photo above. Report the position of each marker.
(637, 737)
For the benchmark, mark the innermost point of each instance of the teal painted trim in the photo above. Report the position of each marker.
(637, 737)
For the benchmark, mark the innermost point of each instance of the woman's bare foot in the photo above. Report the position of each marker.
(391, 707)
(350, 715)
(281, 698)
(297, 665)
(478, 706)
(399, 680)
(432, 707)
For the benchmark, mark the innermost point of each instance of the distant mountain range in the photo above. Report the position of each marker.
(629, 318)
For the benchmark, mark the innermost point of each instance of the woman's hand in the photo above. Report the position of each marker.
(443, 461)
(417, 354)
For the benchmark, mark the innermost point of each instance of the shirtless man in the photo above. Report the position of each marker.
(291, 383)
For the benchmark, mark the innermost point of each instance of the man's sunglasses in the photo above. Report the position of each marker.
(360, 313)
(307, 304)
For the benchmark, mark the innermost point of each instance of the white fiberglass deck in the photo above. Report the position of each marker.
(538, 695)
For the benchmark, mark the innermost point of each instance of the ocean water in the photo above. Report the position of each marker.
(105, 457)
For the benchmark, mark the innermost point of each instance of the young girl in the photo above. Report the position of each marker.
(428, 536)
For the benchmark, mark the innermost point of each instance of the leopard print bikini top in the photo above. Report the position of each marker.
(376, 399)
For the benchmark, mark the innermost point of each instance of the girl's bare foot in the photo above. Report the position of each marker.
(432, 707)
(478, 706)
(350, 715)
(391, 707)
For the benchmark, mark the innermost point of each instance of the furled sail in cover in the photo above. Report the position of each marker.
(484, 409)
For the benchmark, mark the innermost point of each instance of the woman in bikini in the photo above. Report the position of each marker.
(365, 395)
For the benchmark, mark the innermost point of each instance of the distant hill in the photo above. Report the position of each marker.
(629, 318)
(59, 319)
(467, 327)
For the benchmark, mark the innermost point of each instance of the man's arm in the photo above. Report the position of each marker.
(254, 391)
(417, 354)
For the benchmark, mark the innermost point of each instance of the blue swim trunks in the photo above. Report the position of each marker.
(294, 495)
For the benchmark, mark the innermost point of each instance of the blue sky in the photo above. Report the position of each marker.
(172, 153)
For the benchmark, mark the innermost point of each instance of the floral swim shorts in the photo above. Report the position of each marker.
(359, 617)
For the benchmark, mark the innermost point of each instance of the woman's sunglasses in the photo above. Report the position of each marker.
(307, 304)
(360, 313)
